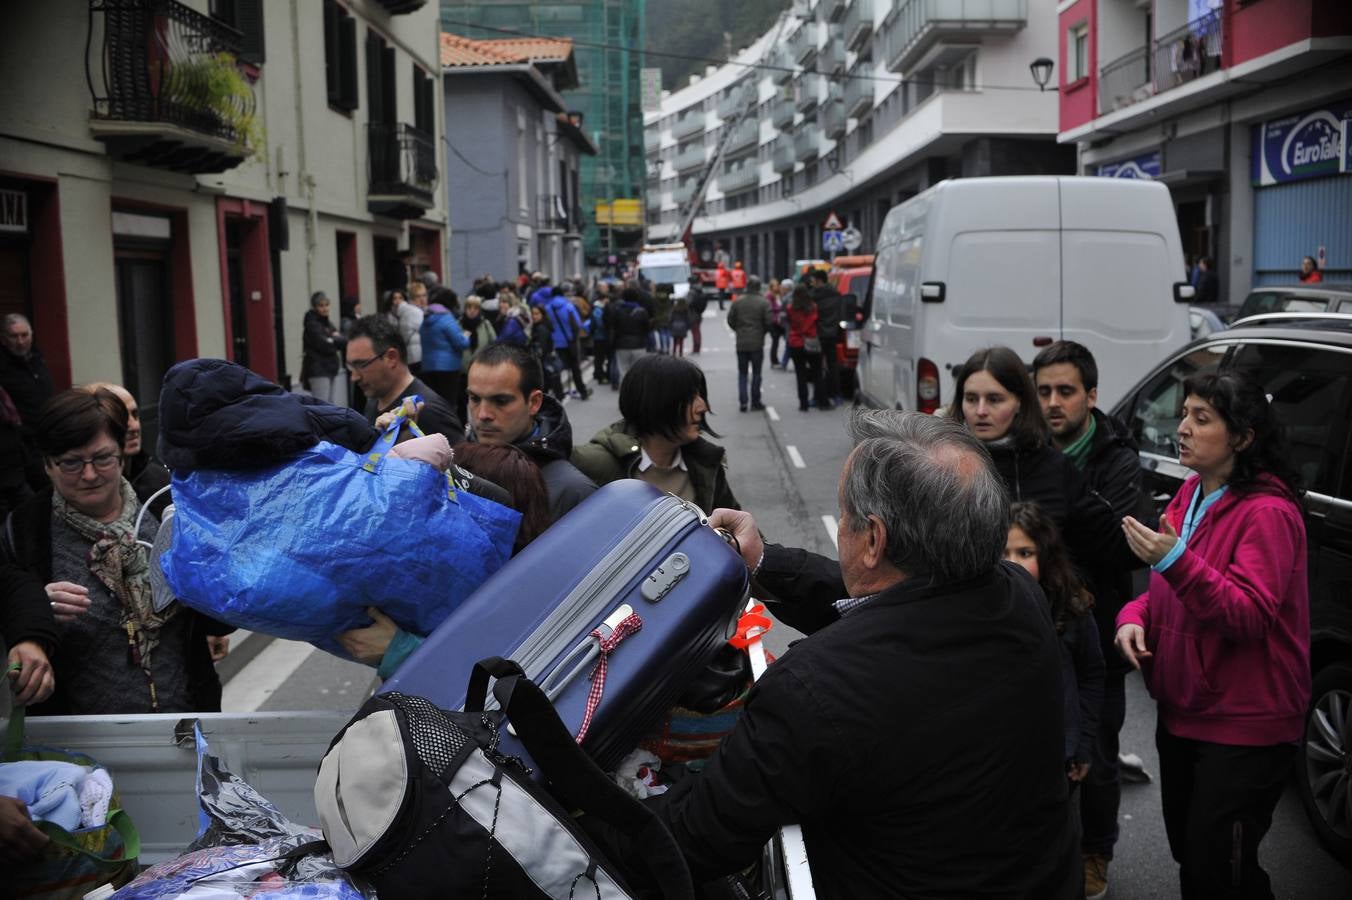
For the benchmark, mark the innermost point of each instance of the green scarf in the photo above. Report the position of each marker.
(123, 567)
(1078, 452)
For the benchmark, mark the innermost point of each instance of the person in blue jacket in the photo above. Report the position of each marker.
(563, 318)
(443, 343)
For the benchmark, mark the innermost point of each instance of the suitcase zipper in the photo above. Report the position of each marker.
(668, 517)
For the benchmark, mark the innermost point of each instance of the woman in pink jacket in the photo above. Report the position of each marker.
(1223, 636)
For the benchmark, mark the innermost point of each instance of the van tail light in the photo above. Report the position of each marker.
(926, 386)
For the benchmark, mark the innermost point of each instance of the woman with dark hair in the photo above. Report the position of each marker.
(118, 652)
(1035, 545)
(1223, 634)
(1309, 271)
(322, 344)
(664, 401)
(803, 345)
(509, 466)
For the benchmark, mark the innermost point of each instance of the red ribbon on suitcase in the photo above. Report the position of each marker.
(605, 644)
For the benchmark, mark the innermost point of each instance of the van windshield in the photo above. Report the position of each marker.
(666, 274)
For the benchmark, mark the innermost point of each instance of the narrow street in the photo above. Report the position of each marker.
(783, 467)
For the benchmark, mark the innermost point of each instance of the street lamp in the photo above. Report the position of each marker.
(1042, 71)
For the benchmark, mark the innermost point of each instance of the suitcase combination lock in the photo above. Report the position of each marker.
(660, 582)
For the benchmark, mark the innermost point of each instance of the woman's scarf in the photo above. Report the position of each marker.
(123, 567)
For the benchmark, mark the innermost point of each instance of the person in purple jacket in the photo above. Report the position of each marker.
(1223, 635)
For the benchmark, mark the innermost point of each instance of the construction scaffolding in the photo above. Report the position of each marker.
(608, 40)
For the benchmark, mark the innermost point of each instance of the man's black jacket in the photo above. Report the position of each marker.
(918, 741)
(828, 312)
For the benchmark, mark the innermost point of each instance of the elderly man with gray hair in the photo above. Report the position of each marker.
(916, 733)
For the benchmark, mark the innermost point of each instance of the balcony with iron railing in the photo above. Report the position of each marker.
(167, 89)
(858, 91)
(744, 137)
(690, 123)
(833, 117)
(806, 142)
(831, 57)
(781, 113)
(858, 25)
(917, 25)
(803, 44)
(781, 157)
(830, 10)
(553, 213)
(1124, 81)
(806, 92)
(402, 164)
(1188, 53)
(689, 159)
(740, 178)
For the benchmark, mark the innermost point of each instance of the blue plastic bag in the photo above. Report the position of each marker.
(299, 550)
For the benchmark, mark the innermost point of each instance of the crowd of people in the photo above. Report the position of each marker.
(986, 557)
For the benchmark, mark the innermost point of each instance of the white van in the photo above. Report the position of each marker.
(666, 264)
(1021, 262)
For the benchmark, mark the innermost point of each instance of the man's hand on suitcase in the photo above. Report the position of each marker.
(368, 645)
(745, 535)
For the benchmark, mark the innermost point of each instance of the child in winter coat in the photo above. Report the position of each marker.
(1034, 543)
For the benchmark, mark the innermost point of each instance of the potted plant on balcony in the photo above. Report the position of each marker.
(211, 88)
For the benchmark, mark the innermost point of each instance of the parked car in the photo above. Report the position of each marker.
(1022, 261)
(850, 276)
(1301, 298)
(1305, 364)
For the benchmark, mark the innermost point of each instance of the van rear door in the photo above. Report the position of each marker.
(1121, 257)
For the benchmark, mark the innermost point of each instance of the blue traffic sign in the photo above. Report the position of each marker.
(833, 241)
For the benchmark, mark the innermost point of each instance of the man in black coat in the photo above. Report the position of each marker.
(25, 377)
(828, 332)
(916, 733)
(1100, 447)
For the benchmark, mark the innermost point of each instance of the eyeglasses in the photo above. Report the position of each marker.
(101, 463)
(359, 365)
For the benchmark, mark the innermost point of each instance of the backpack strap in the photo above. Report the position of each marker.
(575, 776)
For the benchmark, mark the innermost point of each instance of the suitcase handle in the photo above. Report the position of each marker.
(589, 648)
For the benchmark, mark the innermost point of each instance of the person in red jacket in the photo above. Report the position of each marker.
(1309, 271)
(722, 281)
(738, 279)
(1223, 635)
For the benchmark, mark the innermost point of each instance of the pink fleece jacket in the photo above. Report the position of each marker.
(1228, 623)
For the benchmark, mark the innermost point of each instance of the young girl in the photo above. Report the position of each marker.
(1035, 544)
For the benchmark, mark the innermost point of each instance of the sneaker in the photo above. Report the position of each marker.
(1132, 769)
(1095, 876)
(742, 407)
(758, 406)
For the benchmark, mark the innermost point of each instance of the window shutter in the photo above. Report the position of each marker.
(333, 55)
(347, 63)
(249, 22)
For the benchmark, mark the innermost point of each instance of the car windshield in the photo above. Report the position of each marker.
(1260, 302)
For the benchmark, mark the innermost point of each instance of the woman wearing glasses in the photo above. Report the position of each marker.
(118, 654)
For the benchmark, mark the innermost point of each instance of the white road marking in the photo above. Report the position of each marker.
(267, 672)
(770, 411)
(831, 528)
(795, 456)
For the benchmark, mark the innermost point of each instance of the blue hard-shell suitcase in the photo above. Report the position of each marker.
(628, 550)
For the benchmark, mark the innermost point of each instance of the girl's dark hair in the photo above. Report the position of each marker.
(802, 299)
(510, 467)
(1003, 364)
(1065, 591)
(1242, 404)
(75, 417)
(656, 392)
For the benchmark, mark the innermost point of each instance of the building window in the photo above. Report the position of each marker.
(340, 56)
(1077, 52)
(246, 17)
(424, 99)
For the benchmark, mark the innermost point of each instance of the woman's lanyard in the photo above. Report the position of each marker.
(1197, 508)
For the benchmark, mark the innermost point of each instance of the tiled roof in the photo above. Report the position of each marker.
(463, 51)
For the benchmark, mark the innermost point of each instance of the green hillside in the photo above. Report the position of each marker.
(697, 28)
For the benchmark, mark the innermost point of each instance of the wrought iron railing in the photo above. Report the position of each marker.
(402, 160)
(1124, 80)
(162, 61)
(1189, 52)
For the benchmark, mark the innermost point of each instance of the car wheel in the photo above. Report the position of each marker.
(1324, 764)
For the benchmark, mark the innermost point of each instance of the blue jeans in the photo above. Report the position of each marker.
(664, 340)
(749, 359)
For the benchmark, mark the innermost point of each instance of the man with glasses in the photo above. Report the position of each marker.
(376, 361)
